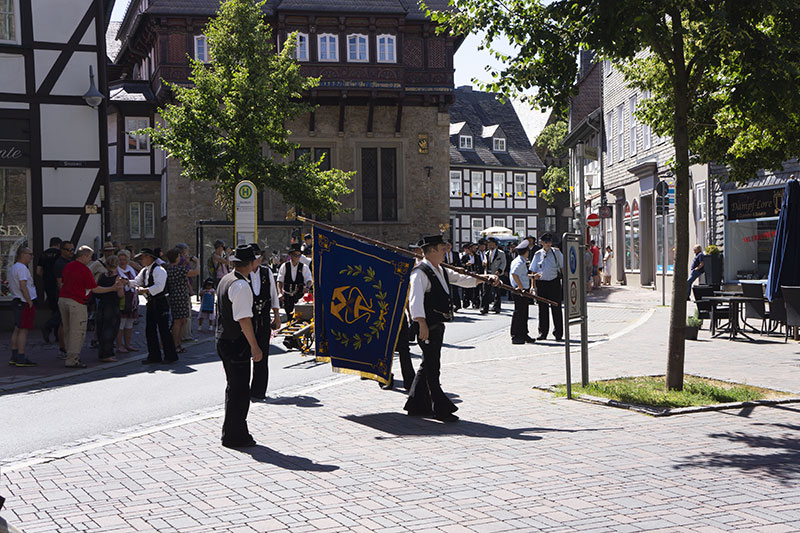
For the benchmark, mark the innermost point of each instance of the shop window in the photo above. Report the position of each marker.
(357, 50)
(477, 228)
(328, 47)
(632, 236)
(136, 142)
(476, 184)
(499, 184)
(9, 21)
(200, 48)
(386, 49)
(660, 243)
(379, 184)
(751, 222)
(455, 183)
(13, 220)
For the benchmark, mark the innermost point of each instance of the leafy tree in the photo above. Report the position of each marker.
(230, 125)
(556, 178)
(722, 75)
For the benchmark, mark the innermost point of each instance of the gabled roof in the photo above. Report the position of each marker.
(483, 112)
(458, 128)
(492, 131)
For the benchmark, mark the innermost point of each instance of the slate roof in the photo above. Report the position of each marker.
(480, 111)
(113, 45)
(131, 91)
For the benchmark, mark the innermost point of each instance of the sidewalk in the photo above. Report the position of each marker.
(342, 456)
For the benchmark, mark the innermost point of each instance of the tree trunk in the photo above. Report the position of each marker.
(677, 343)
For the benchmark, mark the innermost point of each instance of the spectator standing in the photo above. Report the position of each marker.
(190, 261)
(107, 317)
(607, 257)
(67, 255)
(547, 265)
(77, 283)
(587, 269)
(23, 292)
(697, 269)
(178, 294)
(129, 309)
(520, 280)
(595, 263)
(45, 269)
(452, 257)
(207, 295)
(219, 261)
(152, 282)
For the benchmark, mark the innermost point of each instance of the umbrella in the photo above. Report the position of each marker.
(497, 230)
(784, 267)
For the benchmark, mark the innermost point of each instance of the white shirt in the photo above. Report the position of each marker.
(305, 260)
(520, 268)
(547, 263)
(19, 272)
(241, 296)
(420, 284)
(159, 279)
(307, 278)
(127, 273)
(255, 283)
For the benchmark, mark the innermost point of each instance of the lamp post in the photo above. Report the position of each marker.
(93, 97)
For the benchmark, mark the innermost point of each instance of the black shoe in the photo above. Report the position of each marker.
(541, 337)
(257, 398)
(46, 336)
(484, 312)
(389, 385)
(517, 341)
(21, 360)
(558, 339)
(246, 444)
(449, 417)
(496, 311)
(530, 340)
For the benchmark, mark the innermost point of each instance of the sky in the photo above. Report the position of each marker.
(469, 64)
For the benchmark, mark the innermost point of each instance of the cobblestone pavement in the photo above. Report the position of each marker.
(341, 455)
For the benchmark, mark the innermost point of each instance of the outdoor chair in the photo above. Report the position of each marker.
(704, 307)
(791, 298)
(777, 315)
(755, 309)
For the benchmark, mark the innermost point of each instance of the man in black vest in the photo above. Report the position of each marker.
(429, 302)
(152, 282)
(236, 344)
(265, 300)
(294, 277)
(451, 257)
(494, 260)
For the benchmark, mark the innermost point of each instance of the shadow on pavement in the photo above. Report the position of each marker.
(263, 454)
(299, 401)
(400, 425)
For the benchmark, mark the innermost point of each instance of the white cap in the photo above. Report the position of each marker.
(522, 246)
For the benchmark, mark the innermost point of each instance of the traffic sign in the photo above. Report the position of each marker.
(245, 213)
(605, 211)
(572, 281)
(662, 188)
(593, 220)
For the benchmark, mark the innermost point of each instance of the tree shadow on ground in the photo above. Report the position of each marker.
(299, 401)
(399, 425)
(263, 454)
(778, 457)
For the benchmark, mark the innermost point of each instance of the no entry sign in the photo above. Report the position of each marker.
(593, 220)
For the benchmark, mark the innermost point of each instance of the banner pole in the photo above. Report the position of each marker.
(416, 256)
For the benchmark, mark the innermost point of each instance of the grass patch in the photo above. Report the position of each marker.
(651, 391)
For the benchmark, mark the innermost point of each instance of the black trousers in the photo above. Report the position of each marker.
(552, 291)
(404, 354)
(426, 395)
(455, 296)
(491, 295)
(157, 327)
(519, 320)
(54, 321)
(288, 304)
(258, 387)
(235, 355)
(107, 319)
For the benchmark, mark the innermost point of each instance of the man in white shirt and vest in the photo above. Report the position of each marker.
(152, 282)
(294, 277)
(266, 318)
(495, 261)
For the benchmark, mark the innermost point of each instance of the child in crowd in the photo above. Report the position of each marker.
(207, 304)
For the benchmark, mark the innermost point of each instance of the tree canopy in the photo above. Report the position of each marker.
(231, 123)
(556, 178)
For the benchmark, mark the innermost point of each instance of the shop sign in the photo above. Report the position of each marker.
(10, 230)
(755, 204)
(15, 145)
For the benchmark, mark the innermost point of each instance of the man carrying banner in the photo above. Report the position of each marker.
(265, 301)
(429, 301)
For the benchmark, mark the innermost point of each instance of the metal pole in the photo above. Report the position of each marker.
(582, 263)
(566, 322)
(663, 254)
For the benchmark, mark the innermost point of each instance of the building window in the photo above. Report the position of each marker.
(632, 125)
(357, 49)
(465, 142)
(632, 236)
(379, 183)
(609, 135)
(499, 144)
(670, 243)
(498, 222)
(476, 187)
(200, 48)
(455, 183)
(328, 45)
(136, 143)
(9, 21)
(499, 184)
(519, 185)
(700, 201)
(477, 228)
(520, 228)
(386, 49)
(135, 220)
(321, 156)
(620, 132)
(550, 220)
(149, 220)
(646, 132)
(302, 47)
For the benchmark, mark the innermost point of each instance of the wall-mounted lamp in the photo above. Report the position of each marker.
(93, 97)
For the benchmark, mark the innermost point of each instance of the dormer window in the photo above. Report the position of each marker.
(357, 50)
(302, 47)
(386, 49)
(499, 144)
(328, 45)
(465, 142)
(200, 49)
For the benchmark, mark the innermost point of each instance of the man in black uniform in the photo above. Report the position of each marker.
(45, 269)
(265, 301)
(429, 303)
(236, 344)
(152, 282)
(494, 260)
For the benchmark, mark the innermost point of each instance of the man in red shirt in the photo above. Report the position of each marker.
(595, 264)
(77, 283)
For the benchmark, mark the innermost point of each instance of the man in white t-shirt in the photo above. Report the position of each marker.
(20, 283)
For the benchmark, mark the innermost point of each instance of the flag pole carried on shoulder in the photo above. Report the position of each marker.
(291, 215)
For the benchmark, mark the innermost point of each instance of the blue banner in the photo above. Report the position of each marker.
(360, 293)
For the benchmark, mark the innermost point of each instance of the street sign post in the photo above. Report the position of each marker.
(662, 208)
(574, 304)
(245, 213)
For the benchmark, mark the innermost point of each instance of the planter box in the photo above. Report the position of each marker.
(691, 333)
(712, 267)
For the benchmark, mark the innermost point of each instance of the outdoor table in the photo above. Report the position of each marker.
(735, 305)
(727, 293)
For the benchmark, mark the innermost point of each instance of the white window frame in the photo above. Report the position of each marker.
(620, 132)
(520, 227)
(465, 142)
(360, 39)
(647, 140)
(197, 54)
(332, 43)
(476, 178)
(302, 53)
(499, 144)
(135, 220)
(499, 222)
(632, 125)
(140, 122)
(610, 135)
(387, 45)
(700, 201)
(498, 184)
(17, 25)
(477, 226)
(149, 226)
(550, 220)
(520, 184)
(455, 183)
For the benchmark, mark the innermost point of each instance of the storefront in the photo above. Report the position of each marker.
(14, 212)
(751, 218)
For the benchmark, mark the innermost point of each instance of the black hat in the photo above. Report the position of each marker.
(294, 247)
(531, 237)
(307, 236)
(546, 238)
(491, 239)
(481, 241)
(146, 251)
(256, 248)
(244, 253)
(430, 240)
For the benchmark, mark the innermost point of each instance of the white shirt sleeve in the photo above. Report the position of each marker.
(241, 297)
(307, 276)
(419, 284)
(273, 291)
(159, 281)
(255, 282)
(460, 279)
(282, 272)
(138, 281)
